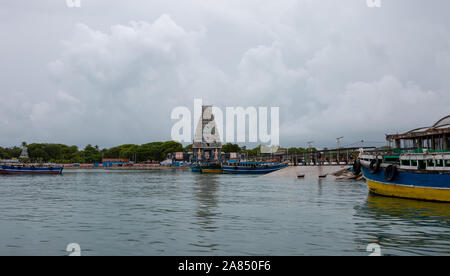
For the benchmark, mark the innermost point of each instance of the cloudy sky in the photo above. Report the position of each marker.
(110, 72)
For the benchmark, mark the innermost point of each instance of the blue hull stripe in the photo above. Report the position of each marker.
(425, 180)
(247, 170)
(10, 170)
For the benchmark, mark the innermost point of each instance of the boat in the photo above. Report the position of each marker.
(410, 170)
(25, 169)
(424, 176)
(196, 168)
(211, 168)
(251, 167)
(206, 168)
(15, 167)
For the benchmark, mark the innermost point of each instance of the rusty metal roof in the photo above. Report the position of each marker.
(440, 127)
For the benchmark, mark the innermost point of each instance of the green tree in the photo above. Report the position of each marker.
(92, 154)
(229, 147)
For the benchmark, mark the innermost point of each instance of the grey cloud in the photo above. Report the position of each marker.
(113, 73)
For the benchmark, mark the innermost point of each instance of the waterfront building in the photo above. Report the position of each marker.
(434, 138)
(110, 162)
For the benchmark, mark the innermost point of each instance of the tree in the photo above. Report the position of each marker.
(188, 148)
(92, 154)
(228, 147)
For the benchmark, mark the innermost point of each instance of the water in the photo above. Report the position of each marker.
(176, 212)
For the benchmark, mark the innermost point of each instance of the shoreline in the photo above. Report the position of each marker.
(125, 168)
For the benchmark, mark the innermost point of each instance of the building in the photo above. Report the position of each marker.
(207, 146)
(436, 137)
(109, 162)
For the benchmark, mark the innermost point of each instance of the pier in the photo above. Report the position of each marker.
(325, 157)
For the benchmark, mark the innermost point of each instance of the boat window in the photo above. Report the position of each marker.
(439, 163)
(447, 163)
(422, 165)
(405, 163)
(430, 163)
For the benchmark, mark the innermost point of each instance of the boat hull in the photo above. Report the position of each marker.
(196, 169)
(31, 171)
(206, 168)
(250, 170)
(412, 185)
(211, 170)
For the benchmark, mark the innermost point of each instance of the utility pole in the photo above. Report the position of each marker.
(338, 141)
(310, 151)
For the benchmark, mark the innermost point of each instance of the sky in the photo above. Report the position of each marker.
(110, 72)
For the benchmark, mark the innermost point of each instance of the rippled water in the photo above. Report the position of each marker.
(175, 212)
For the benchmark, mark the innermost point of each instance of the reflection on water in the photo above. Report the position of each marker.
(408, 209)
(404, 226)
(205, 190)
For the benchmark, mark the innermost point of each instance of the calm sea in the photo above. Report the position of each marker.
(176, 212)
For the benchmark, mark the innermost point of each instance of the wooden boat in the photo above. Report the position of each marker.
(206, 168)
(424, 176)
(24, 169)
(211, 168)
(252, 167)
(418, 166)
(196, 168)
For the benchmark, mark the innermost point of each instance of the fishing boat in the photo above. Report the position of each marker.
(14, 167)
(25, 169)
(249, 167)
(206, 168)
(410, 170)
(196, 168)
(211, 168)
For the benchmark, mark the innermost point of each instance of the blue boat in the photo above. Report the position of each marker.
(417, 166)
(252, 167)
(421, 176)
(23, 169)
(196, 168)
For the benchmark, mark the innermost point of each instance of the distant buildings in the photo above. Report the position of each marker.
(110, 162)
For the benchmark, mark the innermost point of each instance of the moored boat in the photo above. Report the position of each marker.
(211, 168)
(196, 168)
(417, 176)
(252, 167)
(417, 168)
(24, 169)
(206, 168)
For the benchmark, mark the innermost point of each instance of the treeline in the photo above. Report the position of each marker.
(59, 153)
(155, 151)
(8, 153)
